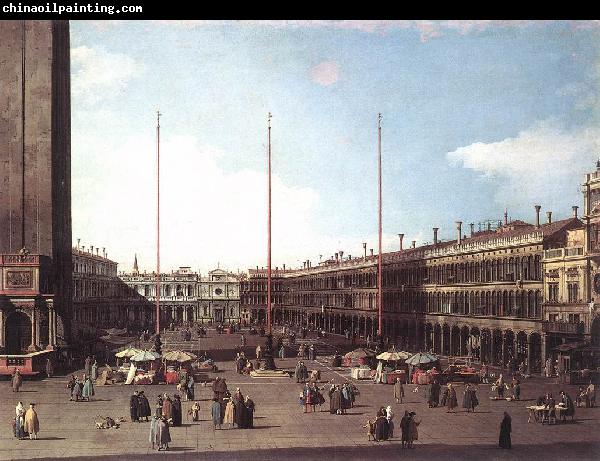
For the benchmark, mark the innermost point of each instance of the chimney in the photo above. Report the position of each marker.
(459, 229)
(78, 240)
(371, 251)
(92, 249)
(104, 251)
(489, 226)
(549, 214)
(97, 251)
(575, 208)
(83, 248)
(537, 215)
(401, 238)
(349, 257)
(472, 229)
(341, 254)
(337, 256)
(505, 217)
(365, 249)
(284, 266)
(414, 244)
(435, 235)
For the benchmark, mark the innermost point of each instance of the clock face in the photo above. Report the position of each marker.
(218, 291)
(597, 283)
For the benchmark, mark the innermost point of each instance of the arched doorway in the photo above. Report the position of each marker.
(17, 333)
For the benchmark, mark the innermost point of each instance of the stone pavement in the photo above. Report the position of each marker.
(283, 431)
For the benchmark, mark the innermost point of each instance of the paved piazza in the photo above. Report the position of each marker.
(283, 431)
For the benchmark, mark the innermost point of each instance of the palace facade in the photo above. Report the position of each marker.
(186, 296)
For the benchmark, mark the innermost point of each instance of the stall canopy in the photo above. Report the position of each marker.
(179, 356)
(359, 353)
(422, 358)
(393, 355)
(145, 356)
(129, 352)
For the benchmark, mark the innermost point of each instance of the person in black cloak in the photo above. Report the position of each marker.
(505, 430)
(176, 410)
(134, 407)
(382, 429)
(240, 413)
(143, 406)
(249, 412)
(405, 428)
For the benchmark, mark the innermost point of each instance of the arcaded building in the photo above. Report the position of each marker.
(514, 291)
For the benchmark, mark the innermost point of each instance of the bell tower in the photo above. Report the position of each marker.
(35, 185)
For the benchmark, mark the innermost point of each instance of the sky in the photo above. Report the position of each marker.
(478, 117)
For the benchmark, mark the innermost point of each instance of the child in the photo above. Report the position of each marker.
(370, 427)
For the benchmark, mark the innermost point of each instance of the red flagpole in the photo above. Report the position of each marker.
(269, 319)
(379, 258)
(158, 114)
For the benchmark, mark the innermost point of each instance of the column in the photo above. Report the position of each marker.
(529, 354)
(33, 345)
(185, 314)
(2, 326)
(543, 339)
(442, 341)
(504, 351)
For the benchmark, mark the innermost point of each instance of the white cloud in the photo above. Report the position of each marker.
(95, 73)
(426, 29)
(537, 164)
(325, 73)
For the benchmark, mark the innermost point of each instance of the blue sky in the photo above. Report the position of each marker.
(478, 117)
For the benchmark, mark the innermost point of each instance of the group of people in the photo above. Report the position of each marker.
(233, 410)
(586, 397)
(26, 423)
(243, 365)
(81, 389)
(382, 427)
(307, 352)
(311, 396)
(341, 398)
(449, 398)
(139, 407)
(550, 404)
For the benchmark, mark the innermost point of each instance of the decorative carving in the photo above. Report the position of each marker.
(19, 279)
(597, 283)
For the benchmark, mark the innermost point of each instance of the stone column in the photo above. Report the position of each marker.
(442, 342)
(2, 328)
(185, 314)
(33, 345)
(529, 354)
(503, 364)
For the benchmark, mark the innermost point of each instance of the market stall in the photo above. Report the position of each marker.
(396, 367)
(175, 362)
(357, 357)
(147, 365)
(424, 367)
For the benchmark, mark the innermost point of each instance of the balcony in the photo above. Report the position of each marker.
(562, 327)
(563, 252)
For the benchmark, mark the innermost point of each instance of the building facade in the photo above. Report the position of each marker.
(253, 295)
(187, 296)
(100, 298)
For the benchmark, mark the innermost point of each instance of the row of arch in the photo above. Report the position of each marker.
(492, 345)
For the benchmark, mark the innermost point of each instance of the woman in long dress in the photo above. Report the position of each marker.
(88, 388)
(19, 421)
(94, 373)
(215, 412)
(229, 414)
(381, 427)
(17, 380)
(76, 391)
(164, 435)
(413, 432)
(154, 438)
(504, 440)
(167, 408)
